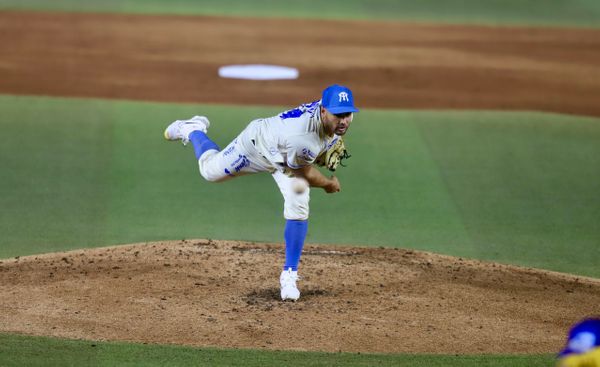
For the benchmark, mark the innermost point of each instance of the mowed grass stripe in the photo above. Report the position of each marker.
(16, 350)
(514, 187)
(55, 163)
(576, 13)
(527, 185)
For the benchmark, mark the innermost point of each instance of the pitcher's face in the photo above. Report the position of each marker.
(336, 123)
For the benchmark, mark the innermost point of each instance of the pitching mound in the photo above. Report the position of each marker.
(225, 293)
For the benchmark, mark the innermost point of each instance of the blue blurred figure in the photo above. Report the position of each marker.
(583, 345)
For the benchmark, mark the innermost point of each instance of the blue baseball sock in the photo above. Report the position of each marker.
(295, 234)
(201, 143)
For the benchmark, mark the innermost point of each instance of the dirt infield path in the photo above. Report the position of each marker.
(213, 293)
(175, 58)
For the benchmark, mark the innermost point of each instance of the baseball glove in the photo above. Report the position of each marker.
(333, 156)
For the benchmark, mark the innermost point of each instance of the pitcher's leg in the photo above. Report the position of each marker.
(233, 161)
(216, 165)
(295, 206)
(294, 234)
(296, 215)
(202, 143)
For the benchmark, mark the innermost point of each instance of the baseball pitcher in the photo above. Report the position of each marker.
(288, 146)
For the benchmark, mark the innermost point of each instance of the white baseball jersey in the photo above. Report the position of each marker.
(294, 139)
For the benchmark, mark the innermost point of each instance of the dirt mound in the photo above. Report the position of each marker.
(224, 293)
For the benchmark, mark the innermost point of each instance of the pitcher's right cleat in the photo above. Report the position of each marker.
(287, 280)
(181, 129)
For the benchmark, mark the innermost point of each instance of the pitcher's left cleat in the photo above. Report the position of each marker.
(181, 129)
(289, 290)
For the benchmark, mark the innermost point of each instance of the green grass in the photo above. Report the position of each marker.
(518, 188)
(578, 13)
(525, 184)
(19, 351)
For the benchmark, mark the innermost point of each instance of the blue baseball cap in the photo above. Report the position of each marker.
(338, 99)
(583, 336)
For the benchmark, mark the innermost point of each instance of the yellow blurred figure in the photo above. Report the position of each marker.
(587, 359)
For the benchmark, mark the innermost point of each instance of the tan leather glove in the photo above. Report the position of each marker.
(333, 157)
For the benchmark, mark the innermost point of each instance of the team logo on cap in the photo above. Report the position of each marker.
(343, 97)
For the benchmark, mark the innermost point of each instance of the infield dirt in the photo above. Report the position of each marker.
(390, 65)
(216, 293)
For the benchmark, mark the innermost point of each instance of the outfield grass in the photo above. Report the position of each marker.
(578, 13)
(525, 185)
(518, 188)
(38, 351)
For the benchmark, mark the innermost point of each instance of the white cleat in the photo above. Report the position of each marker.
(181, 129)
(287, 280)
